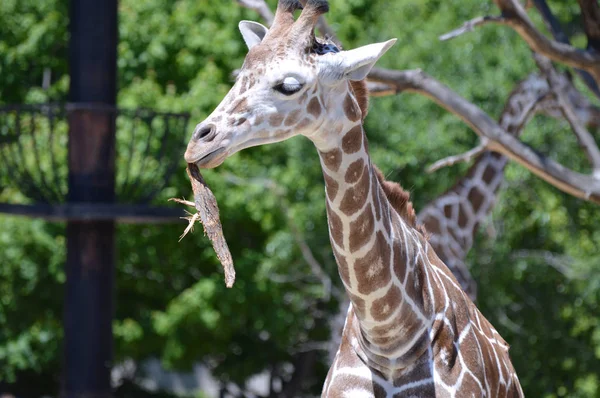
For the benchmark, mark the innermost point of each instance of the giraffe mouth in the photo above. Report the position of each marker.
(212, 159)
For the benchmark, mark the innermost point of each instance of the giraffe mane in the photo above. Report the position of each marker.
(400, 201)
(395, 194)
(361, 93)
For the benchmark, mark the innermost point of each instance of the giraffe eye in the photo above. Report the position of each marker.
(289, 86)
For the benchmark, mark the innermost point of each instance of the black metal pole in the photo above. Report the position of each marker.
(89, 306)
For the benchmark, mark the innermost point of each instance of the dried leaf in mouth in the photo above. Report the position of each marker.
(207, 209)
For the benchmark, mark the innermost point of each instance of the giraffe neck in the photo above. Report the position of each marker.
(379, 255)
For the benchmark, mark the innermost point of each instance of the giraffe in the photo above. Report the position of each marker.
(410, 329)
(453, 218)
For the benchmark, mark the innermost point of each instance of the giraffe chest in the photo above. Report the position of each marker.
(445, 369)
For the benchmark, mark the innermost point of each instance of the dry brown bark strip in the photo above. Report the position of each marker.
(208, 213)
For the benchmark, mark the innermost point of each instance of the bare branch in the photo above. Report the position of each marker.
(260, 7)
(561, 263)
(515, 16)
(183, 202)
(469, 26)
(579, 185)
(585, 139)
(590, 12)
(462, 158)
(554, 27)
(190, 228)
(377, 89)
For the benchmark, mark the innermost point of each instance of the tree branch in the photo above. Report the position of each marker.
(515, 16)
(462, 158)
(561, 263)
(590, 12)
(585, 139)
(554, 27)
(579, 185)
(377, 89)
(469, 26)
(260, 7)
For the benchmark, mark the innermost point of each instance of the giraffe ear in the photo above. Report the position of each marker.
(253, 32)
(354, 64)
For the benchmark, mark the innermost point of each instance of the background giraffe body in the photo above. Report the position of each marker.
(411, 330)
(453, 218)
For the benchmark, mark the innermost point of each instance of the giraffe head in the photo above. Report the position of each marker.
(290, 83)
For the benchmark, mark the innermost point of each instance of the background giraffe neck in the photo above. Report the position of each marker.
(453, 218)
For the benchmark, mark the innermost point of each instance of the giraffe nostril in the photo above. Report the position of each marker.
(204, 132)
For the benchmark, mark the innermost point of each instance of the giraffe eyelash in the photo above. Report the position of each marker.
(289, 86)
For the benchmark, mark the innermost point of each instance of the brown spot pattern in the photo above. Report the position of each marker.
(240, 107)
(432, 225)
(489, 173)
(251, 82)
(377, 203)
(445, 353)
(476, 198)
(358, 305)
(351, 109)
(462, 215)
(382, 308)
(335, 227)
(400, 262)
(331, 186)
(343, 269)
(292, 118)
(314, 107)
(448, 211)
(244, 84)
(355, 171)
(240, 121)
(275, 120)
(305, 122)
(281, 133)
(362, 229)
(356, 196)
(352, 141)
(373, 270)
(332, 159)
(415, 286)
(303, 97)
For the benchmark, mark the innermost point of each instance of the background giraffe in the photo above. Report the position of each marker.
(411, 329)
(452, 219)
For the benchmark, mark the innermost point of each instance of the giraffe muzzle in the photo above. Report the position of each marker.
(210, 160)
(204, 149)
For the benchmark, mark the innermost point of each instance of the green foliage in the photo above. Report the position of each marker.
(537, 272)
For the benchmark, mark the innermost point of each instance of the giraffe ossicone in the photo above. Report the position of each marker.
(411, 330)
